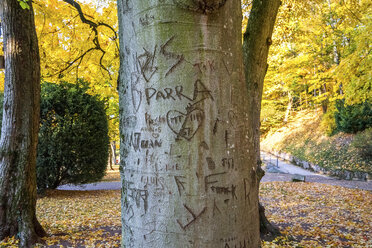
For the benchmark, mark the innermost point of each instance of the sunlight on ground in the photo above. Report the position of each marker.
(112, 175)
(319, 215)
(304, 124)
(88, 218)
(310, 214)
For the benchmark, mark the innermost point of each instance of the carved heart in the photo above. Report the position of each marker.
(185, 125)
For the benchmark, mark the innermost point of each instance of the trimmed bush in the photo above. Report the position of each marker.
(73, 136)
(353, 118)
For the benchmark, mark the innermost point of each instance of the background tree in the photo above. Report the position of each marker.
(201, 118)
(312, 66)
(20, 124)
(257, 41)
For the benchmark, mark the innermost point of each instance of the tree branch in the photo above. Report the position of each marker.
(81, 14)
(70, 64)
(94, 26)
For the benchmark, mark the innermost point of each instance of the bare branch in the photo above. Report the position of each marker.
(97, 46)
(70, 64)
(81, 14)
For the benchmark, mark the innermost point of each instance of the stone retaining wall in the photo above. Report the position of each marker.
(341, 174)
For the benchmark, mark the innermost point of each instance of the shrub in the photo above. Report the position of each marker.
(73, 136)
(363, 144)
(353, 118)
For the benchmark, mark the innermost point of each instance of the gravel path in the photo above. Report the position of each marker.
(92, 186)
(281, 166)
(269, 177)
(281, 177)
(284, 173)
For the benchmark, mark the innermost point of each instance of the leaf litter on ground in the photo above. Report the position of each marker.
(308, 215)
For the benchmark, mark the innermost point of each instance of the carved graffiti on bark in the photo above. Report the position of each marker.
(194, 217)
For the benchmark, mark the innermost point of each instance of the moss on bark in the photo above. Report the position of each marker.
(20, 125)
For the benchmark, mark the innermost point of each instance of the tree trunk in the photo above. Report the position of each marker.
(289, 107)
(325, 102)
(110, 156)
(113, 150)
(20, 125)
(257, 41)
(188, 165)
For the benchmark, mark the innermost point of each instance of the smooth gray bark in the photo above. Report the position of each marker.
(20, 125)
(187, 156)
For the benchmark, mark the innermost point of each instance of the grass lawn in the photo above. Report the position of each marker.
(308, 214)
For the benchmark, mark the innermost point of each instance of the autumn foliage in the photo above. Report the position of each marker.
(318, 87)
(321, 53)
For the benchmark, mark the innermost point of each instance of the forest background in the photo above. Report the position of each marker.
(319, 73)
(317, 93)
(318, 87)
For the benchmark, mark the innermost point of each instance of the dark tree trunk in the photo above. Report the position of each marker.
(257, 41)
(20, 125)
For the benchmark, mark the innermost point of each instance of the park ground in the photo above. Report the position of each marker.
(309, 214)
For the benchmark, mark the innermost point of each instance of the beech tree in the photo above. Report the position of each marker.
(188, 152)
(20, 124)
